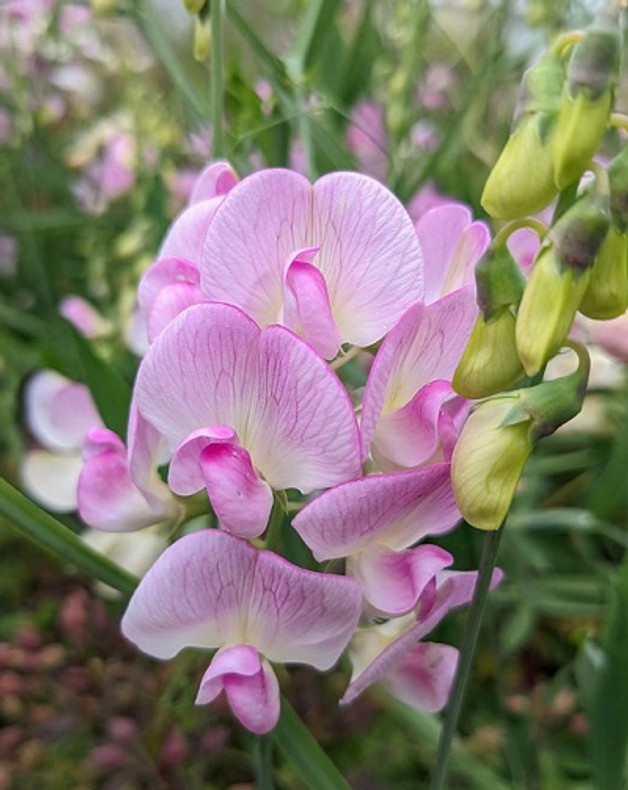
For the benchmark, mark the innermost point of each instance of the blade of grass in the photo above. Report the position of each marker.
(18, 512)
(304, 753)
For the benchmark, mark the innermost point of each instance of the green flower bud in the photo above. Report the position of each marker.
(499, 436)
(490, 362)
(522, 182)
(587, 101)
(202, 38)
(499, 281)
(194, 6)
(617, 172)
(607, 293)
(559, 281)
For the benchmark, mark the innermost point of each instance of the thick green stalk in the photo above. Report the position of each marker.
(217, 77)
(263, 754)
(467, 653)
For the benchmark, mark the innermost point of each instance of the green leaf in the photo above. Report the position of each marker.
(304, 753)
(76, 359)
(315, 28)
(18, 512)
(607, 716)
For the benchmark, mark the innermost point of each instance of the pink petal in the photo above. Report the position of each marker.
(59, 412)
(186, 236)
(306, 305)
(242, 502)
(424, 676)
(426, 344)
(454, 589)
(213, 365)
(215, 181)
(107, 497)
(211, 589)
(451, 246)
(185, 476)
(84, 317)
(393, 510)
(167, 288)
(392, 581)
(250, 684)
(369, 255)
(409, 436)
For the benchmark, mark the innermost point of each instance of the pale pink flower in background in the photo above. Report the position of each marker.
(410, 413)
(428, 197)
(58, 413)
(110, 176)
(243, 411)
(84, 316)
(212, 590)
(367, 139)
(432, 92)
(373, 521)
(611, 335)
(336, 262)
(418, 673)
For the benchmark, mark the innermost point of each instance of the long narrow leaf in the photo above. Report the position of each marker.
(304, 753)
(19, 512)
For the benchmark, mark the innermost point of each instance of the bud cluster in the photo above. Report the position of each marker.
(564, 110)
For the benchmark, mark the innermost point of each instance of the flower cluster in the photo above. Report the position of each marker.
(275, 311)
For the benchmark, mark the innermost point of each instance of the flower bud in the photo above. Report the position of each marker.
(607, 293)
(587, 101)
(194, 6)
(522, 181)
(558, 282)
(202, 37)
(490, 362)
(617, 172)
(498, 437)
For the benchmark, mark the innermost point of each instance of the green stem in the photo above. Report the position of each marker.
(467, 652)
(566, 40)
(619, 121)
(525, 222)
(217, 77)
(263, 753)
(277, 515)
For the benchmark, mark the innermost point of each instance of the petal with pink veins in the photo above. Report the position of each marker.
(452, 244)
(392, 510)
(425, 345)
(167, 287)
(185, 476)
(250, 685)
(211, 589)
(424, 676)
(392, 581)
(186, 236)
(369, 256)
(214, 366)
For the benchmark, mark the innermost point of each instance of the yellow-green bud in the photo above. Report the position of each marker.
(522, 181)
(559, 280)
(490, 362)
(587, 101)
(499, 436)
(194, 6)
(607, 293)
(202, 38)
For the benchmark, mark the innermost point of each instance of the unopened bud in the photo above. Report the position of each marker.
(559, 281)
(499, 281)
(617, 172)
(587, 101)
(202, 38)
(607, 293)
(194, 6)
(522, 181)
(490, 362)
(498, 437)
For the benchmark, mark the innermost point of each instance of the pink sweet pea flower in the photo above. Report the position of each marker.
(59, 413)
(367, 139)
(119, 491)
(337, 262)
(245, 410)
(410, 412)
(172, 282)
(419, 674)
(81, 314)
(212, 590)
(373, 521)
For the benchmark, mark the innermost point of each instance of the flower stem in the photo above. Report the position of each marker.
(467, 652)
(217, 77)
(263, 754)
(619, 121)
(525, 222)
